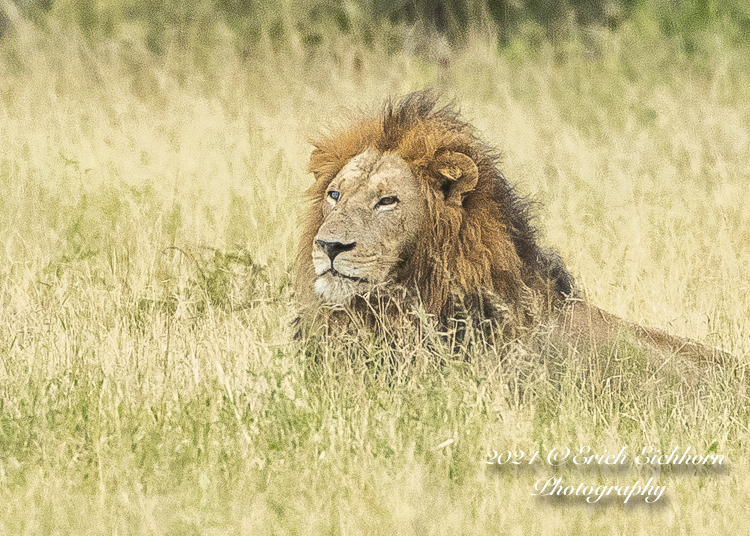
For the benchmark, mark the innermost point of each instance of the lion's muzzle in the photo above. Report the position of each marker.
(332, 249)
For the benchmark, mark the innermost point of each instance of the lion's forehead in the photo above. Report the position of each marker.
(372, 170)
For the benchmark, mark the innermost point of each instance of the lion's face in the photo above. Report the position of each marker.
(372, 216)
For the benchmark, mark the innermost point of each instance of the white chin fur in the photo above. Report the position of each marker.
(320, 286)
(335, 291)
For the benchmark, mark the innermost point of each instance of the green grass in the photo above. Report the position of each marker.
(149, 378)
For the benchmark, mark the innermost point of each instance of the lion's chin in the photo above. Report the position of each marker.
(337, 290)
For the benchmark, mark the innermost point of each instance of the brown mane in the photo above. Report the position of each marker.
(486, 243)
(477, 250)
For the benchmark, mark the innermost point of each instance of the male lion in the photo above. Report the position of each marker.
(411, 206)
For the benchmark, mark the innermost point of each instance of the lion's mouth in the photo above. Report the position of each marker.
(336, 273)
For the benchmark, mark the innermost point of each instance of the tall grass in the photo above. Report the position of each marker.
(150, 382)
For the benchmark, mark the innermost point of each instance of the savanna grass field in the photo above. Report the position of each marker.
(153, 172)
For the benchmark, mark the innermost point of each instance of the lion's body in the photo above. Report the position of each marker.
(411, 205)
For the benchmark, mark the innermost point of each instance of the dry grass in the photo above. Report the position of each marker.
(150, 381)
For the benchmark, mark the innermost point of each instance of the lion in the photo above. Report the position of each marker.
(411, 205)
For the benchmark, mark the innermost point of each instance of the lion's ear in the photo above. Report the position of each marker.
(458, 173)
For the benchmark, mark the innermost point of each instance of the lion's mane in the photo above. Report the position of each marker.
(486, 243)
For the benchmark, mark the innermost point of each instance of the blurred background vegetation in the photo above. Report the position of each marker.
(309, 24)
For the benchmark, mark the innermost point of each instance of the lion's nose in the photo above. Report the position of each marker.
(334, 248)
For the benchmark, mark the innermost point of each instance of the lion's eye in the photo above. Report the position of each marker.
(333, 194)
(387, 201)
